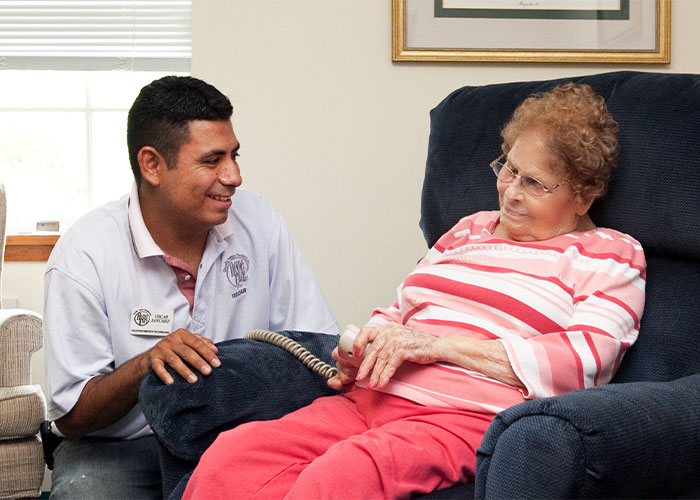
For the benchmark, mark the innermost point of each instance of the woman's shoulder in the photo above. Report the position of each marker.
(607, 243)
(471, 227)
(608, 237)
(476, 223)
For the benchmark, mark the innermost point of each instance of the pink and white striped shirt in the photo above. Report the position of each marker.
(566, 310)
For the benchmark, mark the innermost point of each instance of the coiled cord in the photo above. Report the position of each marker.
(295, 349)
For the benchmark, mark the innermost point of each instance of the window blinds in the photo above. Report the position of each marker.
(138, 35)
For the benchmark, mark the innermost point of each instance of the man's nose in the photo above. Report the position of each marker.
(230, 174)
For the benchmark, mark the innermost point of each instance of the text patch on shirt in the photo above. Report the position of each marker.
(151, 321)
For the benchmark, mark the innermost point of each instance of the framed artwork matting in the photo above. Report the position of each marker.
(584, 31)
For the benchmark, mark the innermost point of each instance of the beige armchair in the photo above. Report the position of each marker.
(22, 405)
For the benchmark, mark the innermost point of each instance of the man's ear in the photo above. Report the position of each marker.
(151, 164)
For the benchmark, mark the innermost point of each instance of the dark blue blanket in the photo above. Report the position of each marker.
(256, 381)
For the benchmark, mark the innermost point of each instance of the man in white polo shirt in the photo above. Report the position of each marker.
(156, 279)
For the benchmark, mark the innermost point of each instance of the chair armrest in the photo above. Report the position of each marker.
(20, 336)
(639, 439)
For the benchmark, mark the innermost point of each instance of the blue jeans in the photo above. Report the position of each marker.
(103, 468)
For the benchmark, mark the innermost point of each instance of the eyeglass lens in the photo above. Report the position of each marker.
(530, 184)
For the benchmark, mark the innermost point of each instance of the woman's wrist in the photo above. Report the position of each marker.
(447, 349)
(467, 352)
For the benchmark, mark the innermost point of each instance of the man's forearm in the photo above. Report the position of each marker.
(105, 399)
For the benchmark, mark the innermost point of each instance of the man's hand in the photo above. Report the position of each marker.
(107, 398)
(182, 350)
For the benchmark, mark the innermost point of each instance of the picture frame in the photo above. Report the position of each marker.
(542, 31)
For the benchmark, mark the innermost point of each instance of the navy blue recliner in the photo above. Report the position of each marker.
(638, 437)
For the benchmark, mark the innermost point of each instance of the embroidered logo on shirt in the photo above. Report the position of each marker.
(236, 270)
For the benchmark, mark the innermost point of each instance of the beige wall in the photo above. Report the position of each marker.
(335, 134)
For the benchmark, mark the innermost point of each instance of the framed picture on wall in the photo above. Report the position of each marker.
(586, 31)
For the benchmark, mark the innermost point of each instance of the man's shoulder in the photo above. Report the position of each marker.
(100, 228)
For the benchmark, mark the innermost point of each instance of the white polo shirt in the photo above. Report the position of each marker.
(107, 286)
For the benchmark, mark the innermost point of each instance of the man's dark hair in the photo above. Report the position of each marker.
(161, 114)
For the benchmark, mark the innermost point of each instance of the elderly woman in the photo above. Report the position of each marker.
(526, 302)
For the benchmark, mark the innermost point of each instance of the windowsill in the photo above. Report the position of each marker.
(34, 247)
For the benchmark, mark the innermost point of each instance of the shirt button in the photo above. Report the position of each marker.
(187, 278)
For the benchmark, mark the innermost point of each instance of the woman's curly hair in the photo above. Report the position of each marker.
(579, 130)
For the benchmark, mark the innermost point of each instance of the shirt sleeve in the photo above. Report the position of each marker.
(76, 338)
(608, 306)
(385, 315)
(296, 300)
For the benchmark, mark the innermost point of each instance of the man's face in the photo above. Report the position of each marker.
(197, 193)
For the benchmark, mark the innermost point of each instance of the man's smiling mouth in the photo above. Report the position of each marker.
(220, 198)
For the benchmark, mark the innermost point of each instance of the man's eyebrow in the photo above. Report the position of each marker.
(218, 152)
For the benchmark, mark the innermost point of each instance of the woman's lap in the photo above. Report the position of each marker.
(364, 444)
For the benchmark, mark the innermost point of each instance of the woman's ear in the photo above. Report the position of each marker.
(151, 164)
(583, 204)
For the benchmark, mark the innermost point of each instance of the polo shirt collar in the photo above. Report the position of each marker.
(143, 241)
(225, 229)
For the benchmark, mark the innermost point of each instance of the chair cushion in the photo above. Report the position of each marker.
(668, 346)
(22, 410)
(22, 466)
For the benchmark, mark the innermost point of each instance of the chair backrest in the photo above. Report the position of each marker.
(654, 194)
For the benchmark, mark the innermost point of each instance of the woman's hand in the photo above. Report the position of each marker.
(346, 373)
(392, 344)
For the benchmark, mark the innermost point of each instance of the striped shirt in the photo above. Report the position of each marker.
(565, 309)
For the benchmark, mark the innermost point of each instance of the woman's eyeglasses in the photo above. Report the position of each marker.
(531, 185)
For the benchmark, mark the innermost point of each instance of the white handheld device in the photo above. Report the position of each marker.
(346, 351)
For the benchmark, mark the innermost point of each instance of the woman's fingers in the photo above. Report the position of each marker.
(392, 345)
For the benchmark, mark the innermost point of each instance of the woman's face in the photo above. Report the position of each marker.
(529, 218)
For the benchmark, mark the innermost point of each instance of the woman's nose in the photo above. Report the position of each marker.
(514, 189)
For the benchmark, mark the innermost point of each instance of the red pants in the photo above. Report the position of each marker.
(364, 444)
